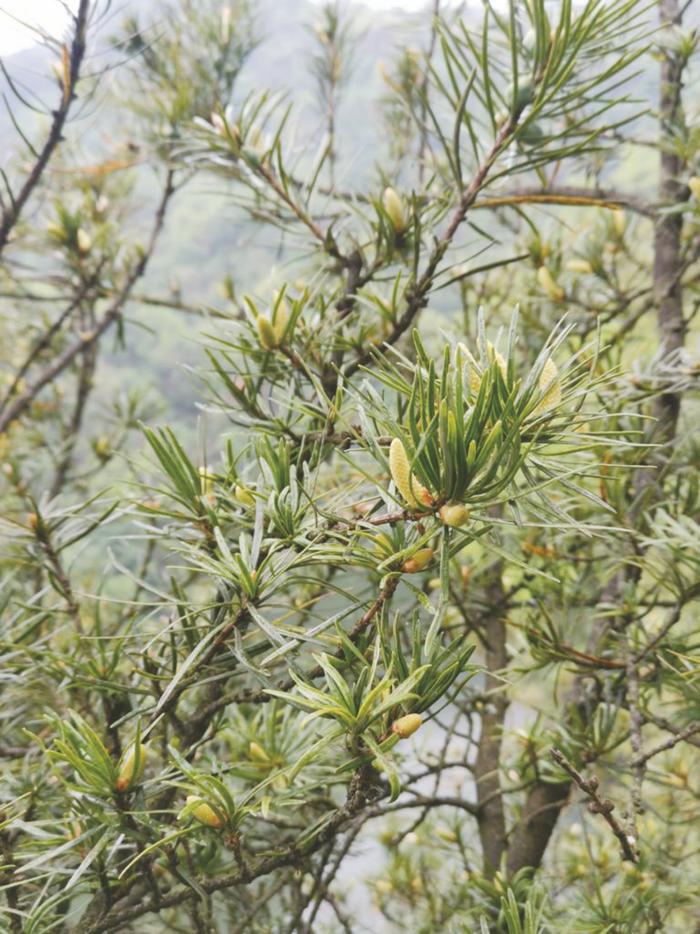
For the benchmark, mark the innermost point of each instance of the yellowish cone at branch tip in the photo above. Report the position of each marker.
(499, 358)
(83, 241)
(204, 813)
(257, 753)
(395, 208)
(266, 333)
(619, 221)
(128, 773)
(579, 265)
(550, 384)
(406, 726)
(420, 560)
(474, 373)
(408, 486)
(550, 285)
(694, 185)
(280, 319)
(102, 446)
(444, 833)
(454, 514)
(243, 495)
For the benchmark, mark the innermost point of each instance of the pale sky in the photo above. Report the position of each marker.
(51, 16)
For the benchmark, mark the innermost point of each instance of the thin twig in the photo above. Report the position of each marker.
(599, 805)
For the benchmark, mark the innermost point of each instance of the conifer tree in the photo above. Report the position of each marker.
(421, 581)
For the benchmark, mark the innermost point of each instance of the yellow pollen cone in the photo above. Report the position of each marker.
(128, 772)
(550, 285)
(266, 333)
(579, 265)
(204, 813)
(409, 487)
(280, 320)
(419, 561)
(499, 358)
(394, 207)
(550, 384)
(83, 242)
(257, 753)
(619, 221)
(243, 495)
(474, 372)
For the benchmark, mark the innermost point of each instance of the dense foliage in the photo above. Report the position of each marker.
(399, 635)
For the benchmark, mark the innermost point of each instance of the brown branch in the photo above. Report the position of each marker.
(570, 195)
(416, 297)
(491, 814)
(44, 340)
(261, 697)
(599, 805)
(17, 406)
(667, 233)
(74, 60)
(101, 917)
(70, 439)
(664, 724)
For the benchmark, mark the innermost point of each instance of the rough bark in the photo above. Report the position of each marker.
(536, 825)
(491, 817)
(668, 261)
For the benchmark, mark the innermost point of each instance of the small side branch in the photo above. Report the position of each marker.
(599, 805)
(680, 737)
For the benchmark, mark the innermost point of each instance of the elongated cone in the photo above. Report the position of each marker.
(499, 358)
(243, 495)
(257, 753)
(550, 285)
(444, 833)
(419, 561)
(550, 384)
(128, 773)
(280, 320)
(266, 333)
(406, 726)
(83, 242)
(579, 265)
(474, 371)
(204, 813)
(694, 185)
(408, 486)
(454, 514)
(619, 221)
(395, 208)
